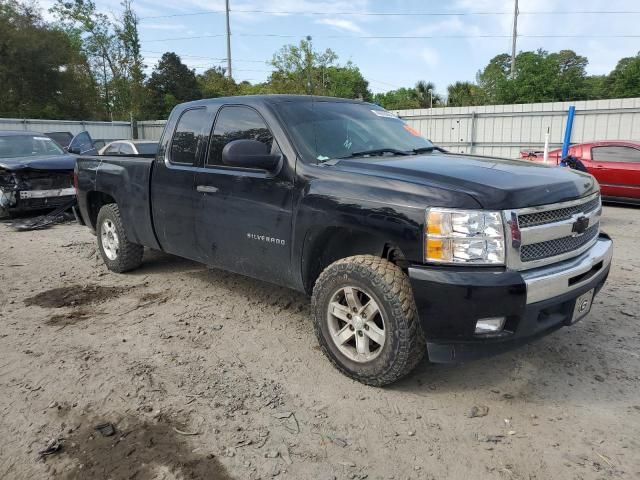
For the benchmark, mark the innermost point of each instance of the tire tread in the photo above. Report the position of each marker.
(130, 255)
(393, 285)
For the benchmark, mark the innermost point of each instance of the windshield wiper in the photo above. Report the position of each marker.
(433, 148)
(377, 151)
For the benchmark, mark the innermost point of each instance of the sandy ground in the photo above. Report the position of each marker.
(204, 374)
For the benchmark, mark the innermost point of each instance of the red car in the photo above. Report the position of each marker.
(614, 163)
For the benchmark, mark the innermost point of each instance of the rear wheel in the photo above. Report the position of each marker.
(118, 253)
(366, 321)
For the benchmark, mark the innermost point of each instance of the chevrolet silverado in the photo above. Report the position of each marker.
(403, 248)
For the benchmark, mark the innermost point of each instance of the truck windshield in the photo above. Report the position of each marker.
(325, 130)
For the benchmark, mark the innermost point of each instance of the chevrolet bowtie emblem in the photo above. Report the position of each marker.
(580, 225)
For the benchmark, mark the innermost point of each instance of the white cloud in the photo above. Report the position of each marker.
(341, 24)
(430, 57)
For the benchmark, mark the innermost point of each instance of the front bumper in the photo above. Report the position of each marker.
(450, 300)
(26, 200)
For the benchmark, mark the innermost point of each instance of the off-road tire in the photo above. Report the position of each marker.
(130, 254)
(404, 346)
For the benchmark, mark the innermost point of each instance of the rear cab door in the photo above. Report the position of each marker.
(617, 169)
(244, 221)
(174, 200)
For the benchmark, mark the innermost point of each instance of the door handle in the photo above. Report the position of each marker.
(206, 189)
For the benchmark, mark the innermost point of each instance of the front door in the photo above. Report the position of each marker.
(244, 215)
(617, 169)
(82, 144)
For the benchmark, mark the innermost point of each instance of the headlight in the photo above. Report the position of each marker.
(464, 236)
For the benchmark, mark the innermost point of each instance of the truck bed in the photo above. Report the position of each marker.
(127, 179)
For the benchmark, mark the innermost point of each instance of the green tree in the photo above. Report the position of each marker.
(570, 76)
(420, 96)
(113, 49)
(461, 94)
(426, 95)
(42, 71)
(539, 76)
(299, 69)
(624, 79)
(214, 83)
(130, 87)
(344, 82)
(399, 99)
(170, 83)
(494, 79)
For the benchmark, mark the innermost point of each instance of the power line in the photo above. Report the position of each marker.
(221, 59)
(394, 37)
(397, 14)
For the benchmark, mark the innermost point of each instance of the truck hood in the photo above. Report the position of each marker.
(45, 162)
(493, 182)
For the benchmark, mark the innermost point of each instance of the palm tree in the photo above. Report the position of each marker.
(426, 95)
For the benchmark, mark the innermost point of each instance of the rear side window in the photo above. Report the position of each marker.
(236, 123)
(190, 131)
(112, 149)
(615, 154)
(126, 149)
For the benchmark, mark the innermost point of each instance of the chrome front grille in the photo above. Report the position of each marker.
(559, 246)
(551, 233)
(550, 216)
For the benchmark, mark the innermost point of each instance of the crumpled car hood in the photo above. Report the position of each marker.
(48, 162)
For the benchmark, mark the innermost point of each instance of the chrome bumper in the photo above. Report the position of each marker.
(563, 277)
(58, 192)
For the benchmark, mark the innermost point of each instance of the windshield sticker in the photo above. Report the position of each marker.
(412, 130)
(322, 158)
(384, 114)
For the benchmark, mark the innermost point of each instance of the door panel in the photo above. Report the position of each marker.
(617, 169)
(82, 144)
(244, 222)
(173, 194)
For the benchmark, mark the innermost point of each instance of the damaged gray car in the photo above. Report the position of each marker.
(35, 173)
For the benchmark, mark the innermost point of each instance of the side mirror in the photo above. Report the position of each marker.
(249, 154)
(75, 150)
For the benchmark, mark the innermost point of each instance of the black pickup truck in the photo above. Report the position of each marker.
(402, 247)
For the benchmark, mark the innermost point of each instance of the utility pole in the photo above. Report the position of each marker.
(309, 62)
(228, 43)
(514, 39)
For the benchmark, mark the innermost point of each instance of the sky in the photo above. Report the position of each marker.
(451, 41)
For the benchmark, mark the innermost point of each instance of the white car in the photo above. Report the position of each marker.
(130, 147)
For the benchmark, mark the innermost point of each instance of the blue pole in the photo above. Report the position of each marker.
(567, 131)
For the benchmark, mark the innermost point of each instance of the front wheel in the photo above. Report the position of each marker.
(119, 254)
(365, 319)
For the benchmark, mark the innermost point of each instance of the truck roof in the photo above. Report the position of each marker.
(270, 98)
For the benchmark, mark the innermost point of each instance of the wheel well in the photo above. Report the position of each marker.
(95, 201)
(324, 248)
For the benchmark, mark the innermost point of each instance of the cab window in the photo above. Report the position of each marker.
(126, 149)
(615, 154)
(112, 149)
(236, 123)
(190, 131)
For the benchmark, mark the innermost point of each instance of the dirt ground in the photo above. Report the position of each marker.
(200, 374)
